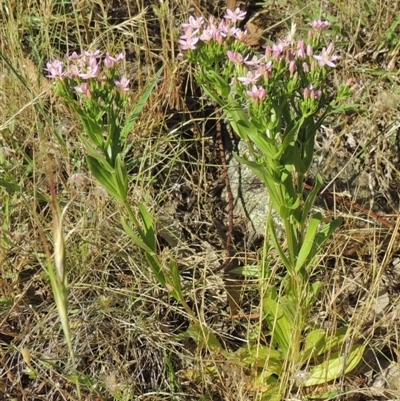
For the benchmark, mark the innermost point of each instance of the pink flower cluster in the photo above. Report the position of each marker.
(285, 53)
(297, 57)
(87, 66)
(198, 30)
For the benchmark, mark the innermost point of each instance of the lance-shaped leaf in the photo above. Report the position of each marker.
(335, 365)
(308, 241)
(120, 178)
(280, 316)
(138, 240)
(148, 227)
(263, 356)
(92, 127)
(310, 201)
(104, 177)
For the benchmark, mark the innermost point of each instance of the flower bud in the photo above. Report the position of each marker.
(292, 67)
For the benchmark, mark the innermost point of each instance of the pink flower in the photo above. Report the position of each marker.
(188, 43)
(292, 67)
(301, 49)
(120, 57)
(221, 32)
(219, 36)
(83, 88)
(265, 70)
(110, 61)
(235, 16)
(320, 25)
(73, 71)
(306, 67)
(208, 34)
(250, 78)
(94, 54)
(92, 69)
(257, 93)
(235, 57)
(232, 31)
(122, 84)
(74, 56)
(255, 61)
(194, 23)
(326, 57)
(189, 34)
(55, 69)
(278, 49)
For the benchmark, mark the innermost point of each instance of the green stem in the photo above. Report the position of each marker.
(159, 263)
(131, 214)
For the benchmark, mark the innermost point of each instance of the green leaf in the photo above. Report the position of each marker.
(220, 87)
(274, 393)
(277, 246)
(121, 178)
(258, 169)
(203, 337)
(138, 108)
(308, 241)
(280, 317)
(100, 157)
(156, 268)
(329, 395)
(308, 147)
(265, 145)
(263, 356)
(314, 343)
(135, 238)
(247, 271)
(104, 177)
(333, 367)
(151, 257)
(92, 128)
(333, 341)
(309, 203)
(315, 289)
(275, 189)
(175, 281)
(316, 240)
(148, 230)
(290, 137)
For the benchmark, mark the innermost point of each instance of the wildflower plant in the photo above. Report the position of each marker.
(94, 89)
(91, 84)
(276, 102)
